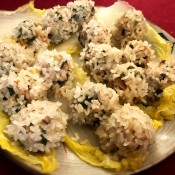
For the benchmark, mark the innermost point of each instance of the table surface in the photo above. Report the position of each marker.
(159, 12)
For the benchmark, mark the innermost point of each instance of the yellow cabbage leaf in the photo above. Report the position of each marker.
(81, 76)
(166, 109)
(47, 161)
(151, 111)
(71, 46)
(95, 157)
(157, 123)
(9, 40)
(161, 47)
(30, 8)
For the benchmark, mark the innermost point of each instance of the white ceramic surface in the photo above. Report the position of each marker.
(70, 164)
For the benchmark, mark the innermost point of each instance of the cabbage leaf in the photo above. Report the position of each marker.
(166, 109)
(47, 161)
(94, 156)
(162, 48)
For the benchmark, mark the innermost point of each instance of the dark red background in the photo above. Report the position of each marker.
(161, 12)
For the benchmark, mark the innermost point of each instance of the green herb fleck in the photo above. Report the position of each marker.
(63, 64)
(135, 23)
(131, 46)
(93, 10)
(11, 91)
(162, 76)
(130, 67)
(122, 75)
(43, 140)
(17, 110)
(20, 33)
(30, 40)
(61, 82)
(43, 130)
(4, 98)
(59, 16)
(159, 91)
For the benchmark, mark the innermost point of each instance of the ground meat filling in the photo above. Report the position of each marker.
(130, 26)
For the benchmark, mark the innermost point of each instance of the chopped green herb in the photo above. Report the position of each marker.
(11, 91)
(43, 130)
(162, 76)
(61, 83)
(59, 17)
(131, 46)
(130, 67)
(17, 110)
(96, 123)
(135, 23)
(30, 40)
(63, 64)
(159, 91)
(75, 17)
(4, 98)
(50, 35)
(123, 32)
(43, 140)
(89, 100)
(122, 75)
(84, 105)
(20, 33)
(104, 51)
(93, 9)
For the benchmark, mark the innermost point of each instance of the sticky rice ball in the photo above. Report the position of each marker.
(27, 83)
(138, 52)
(14, 57)
(159, 76)
(10, 101)
(54, 66)
(31, 84)
(99, 59)
(18, 89)
(91, 102)
(130, 26)
(58, 20)
(94, 32)
(81, 10)
(127, 130)
(129, 81)
(39, 127)
(32, 34)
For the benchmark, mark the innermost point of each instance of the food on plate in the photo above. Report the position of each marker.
(47, 161)
(64, 21)
(19, 89)
(160, 75)
(92, 102)
(39, 127)
(14, 57)
(54, 66)
(127, 130)
(129, 81)
(31, 34)
(139, 52)
(99, 59)
(130, 26)
(94, 32)
(69, 66)
(81, 10)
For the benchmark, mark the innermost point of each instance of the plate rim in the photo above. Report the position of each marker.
(35, 169)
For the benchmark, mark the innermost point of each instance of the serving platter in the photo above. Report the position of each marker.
(71, 164)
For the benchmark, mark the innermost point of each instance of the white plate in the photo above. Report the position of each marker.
(70, 164)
